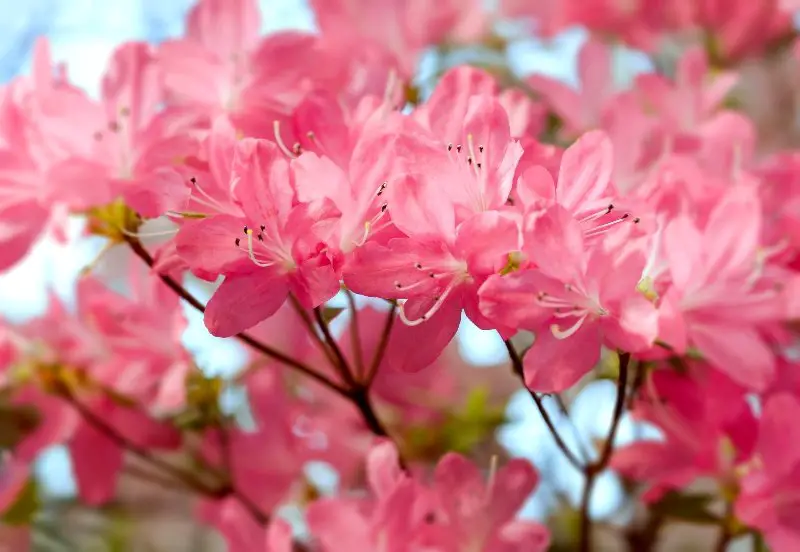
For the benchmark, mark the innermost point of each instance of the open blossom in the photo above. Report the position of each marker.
(224, 66)
(267, 250)
(707, 427)
(723, 289)
(458, 512)
(577, 292)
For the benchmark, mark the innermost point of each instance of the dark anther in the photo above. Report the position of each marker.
(419, 266)
(510, 201)
(238, 241)
(193, 180)
(384, 207)
(480, 149)
(636, 220)
(398, 285)
(432, 275)
(610, 208)
(626, 215)
(260, 237)
(245, 229)
(113, 126)
(479, 165)
(458, 148)
(469, 160)
(98, 136)
(430, 517)
(449, 147)
(263, 227)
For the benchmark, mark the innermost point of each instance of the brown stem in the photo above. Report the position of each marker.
(355, 336)
(340, 362)
(380, 351)
(356, 393)
(312, 329)
(362, 401)
(244, 337)
(516, 363)
(187, 478)
(596, 468)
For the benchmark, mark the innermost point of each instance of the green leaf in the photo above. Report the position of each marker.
(687, 507)
(16, 422)
(25, 507)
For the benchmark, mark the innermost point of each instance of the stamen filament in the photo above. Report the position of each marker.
(558, 333)
(276, 129)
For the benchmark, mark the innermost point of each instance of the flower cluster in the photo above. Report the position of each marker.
(641, 227)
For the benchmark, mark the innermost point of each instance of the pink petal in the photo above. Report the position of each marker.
(421, 209)
(738, 351)
(227, 27)
(279, 536)
(683, 247)
(585, 171)
(96, 462)
(413, 348)
(260, 180)
(485, 241)
(779, 435)
(554, 365)
(536, 188)
(210, 244)
(339, 526)
(555, 244)
(511, 487)
(383, 469)
(244, 300)
(448, 105)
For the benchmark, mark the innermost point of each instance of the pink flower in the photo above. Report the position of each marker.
(722, 291)
(271, 247)
(480, 515)
(579, 291)
(241, 532)
(708, 428)
(583, 109)
(38, 118)
(223, 65)
(139, 149)
(770, 488)
(457, 513)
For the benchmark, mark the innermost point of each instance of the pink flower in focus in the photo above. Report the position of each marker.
(269, 249)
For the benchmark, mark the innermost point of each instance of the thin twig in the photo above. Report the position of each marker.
(244, 337)
(355, 336)
(582, 447)
(516, 363)
(380, 351)
(340, 362)
(596, 468)
(354, 392)
(312, 329)
(187, 478)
